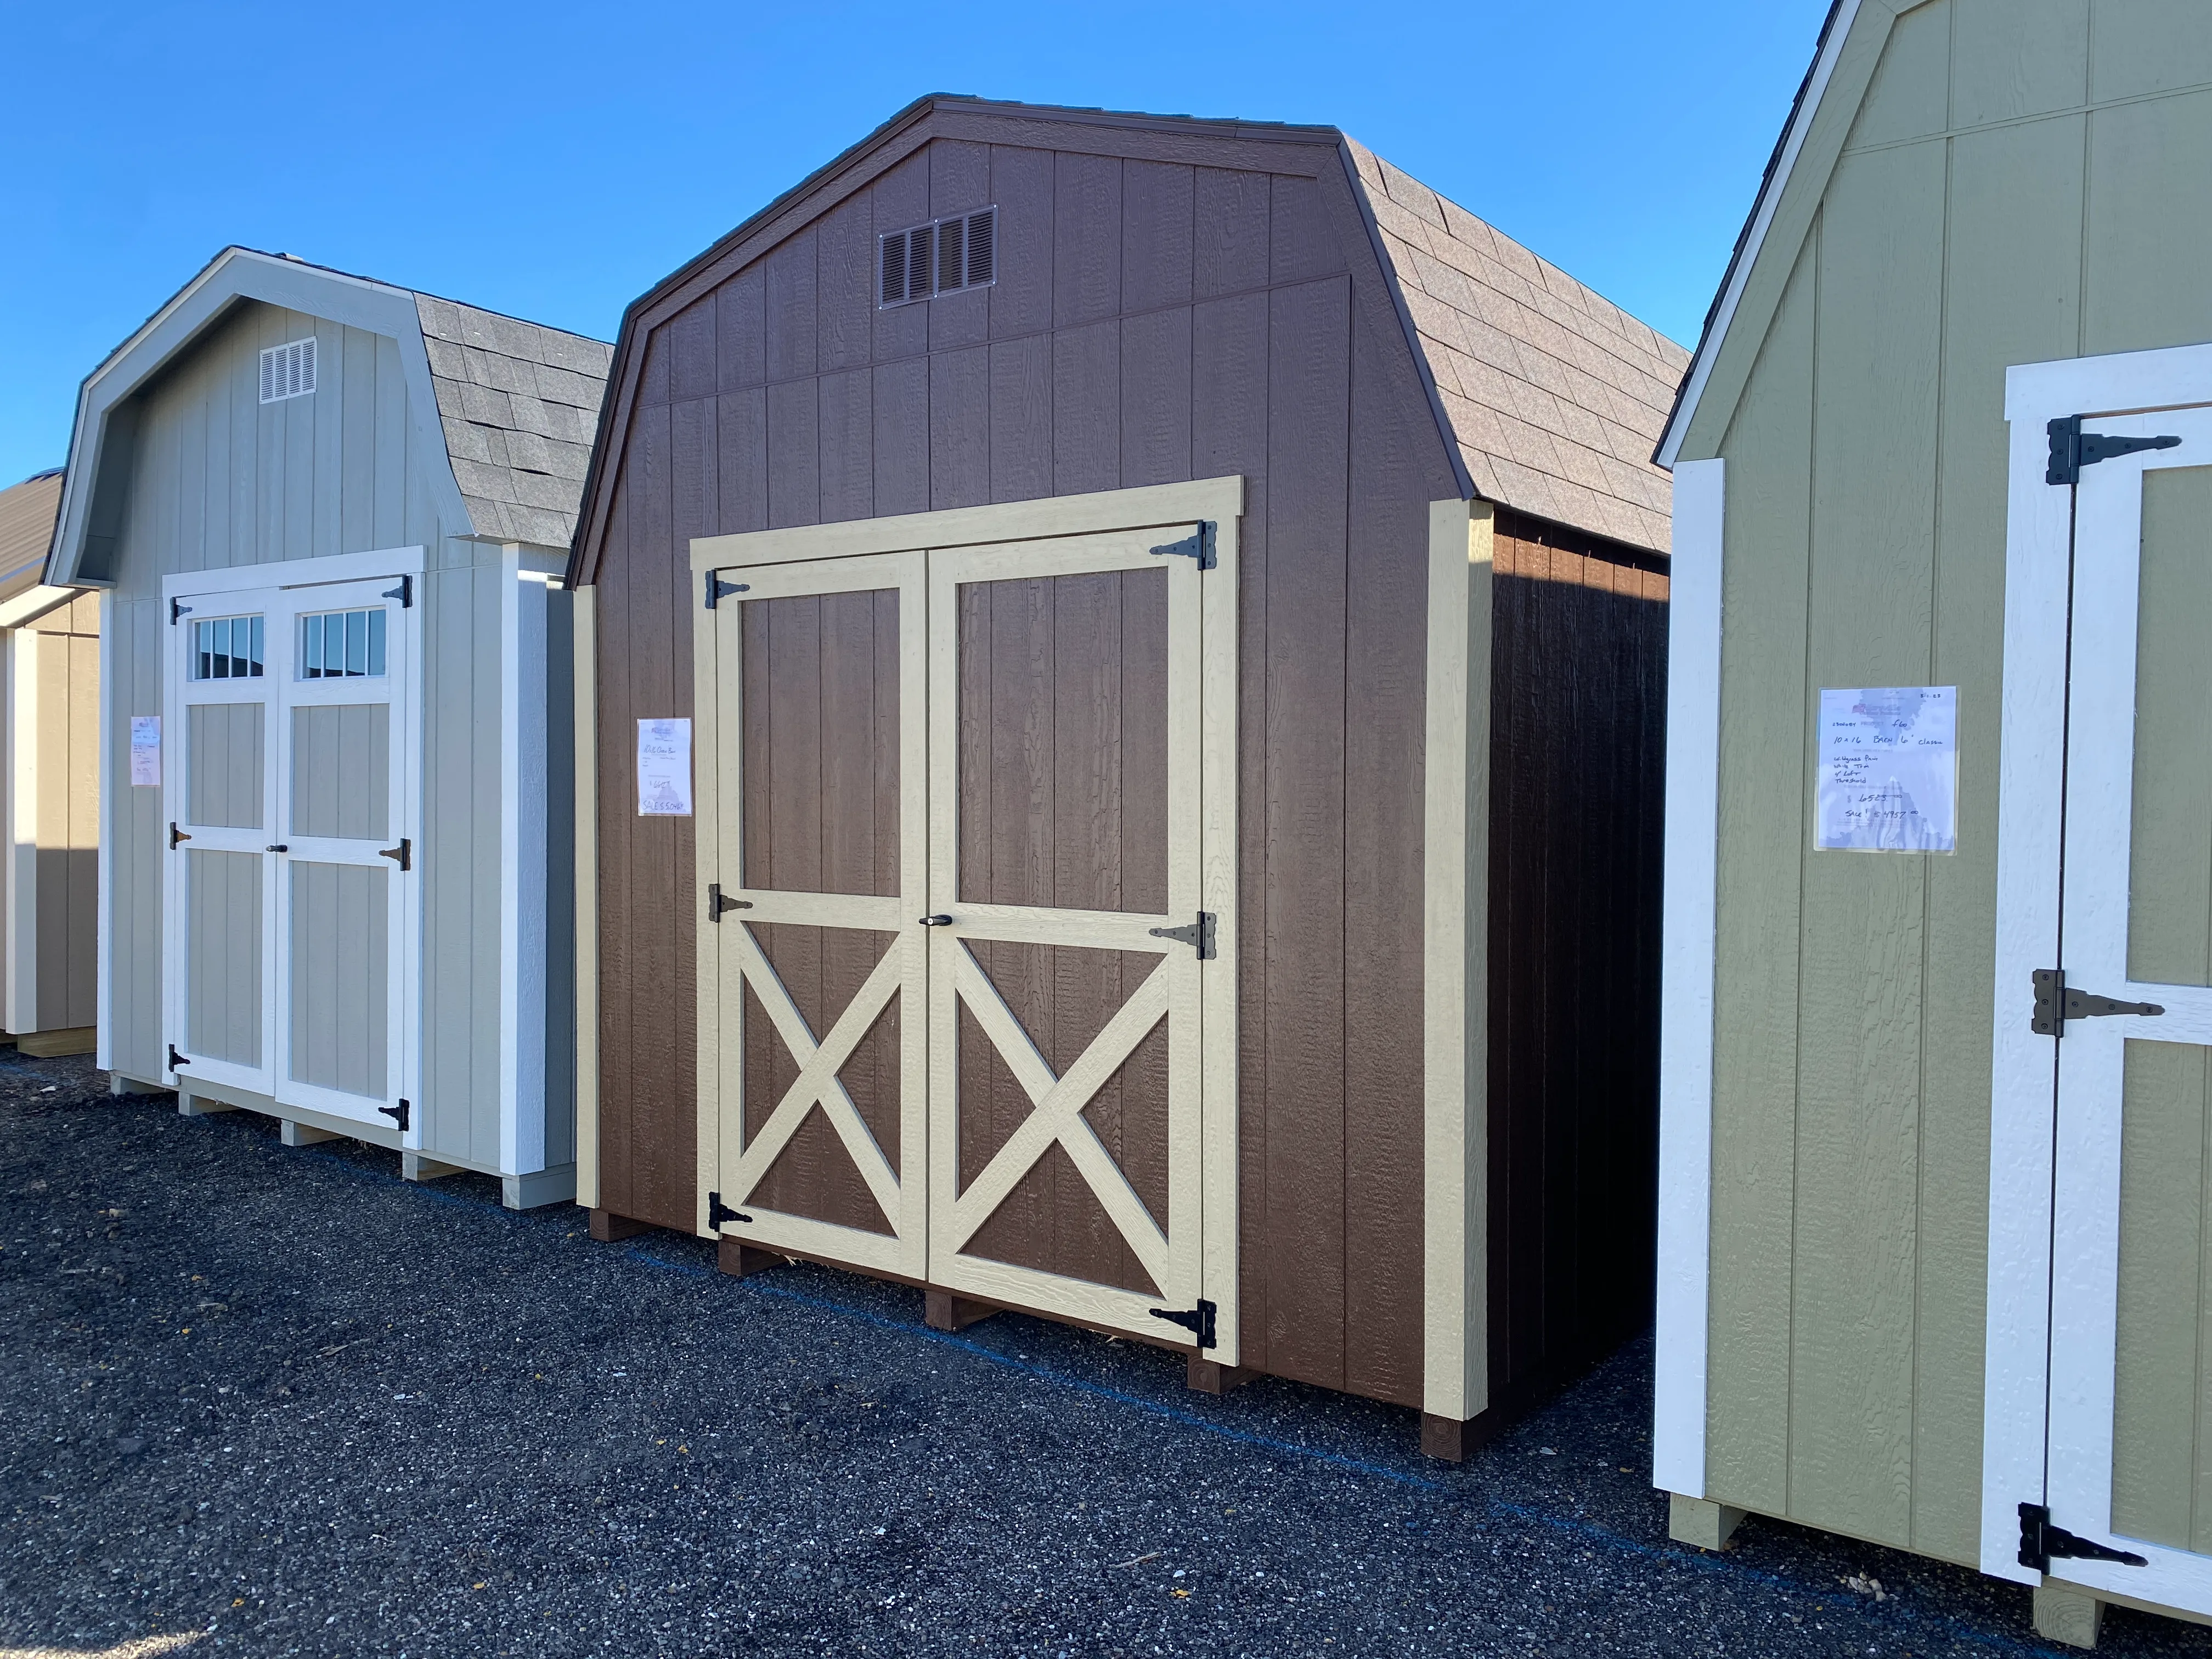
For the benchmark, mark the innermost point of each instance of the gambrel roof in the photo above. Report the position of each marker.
(1548, 399)
(511, 403)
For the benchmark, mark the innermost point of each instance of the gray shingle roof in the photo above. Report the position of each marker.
(26, 528)
(1556, 396)
(518, 402)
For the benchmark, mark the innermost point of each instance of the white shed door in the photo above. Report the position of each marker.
(291, 865)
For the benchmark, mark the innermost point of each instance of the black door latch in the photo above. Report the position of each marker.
(2040, 1543)
(1199, 1321)
(2056, 1002)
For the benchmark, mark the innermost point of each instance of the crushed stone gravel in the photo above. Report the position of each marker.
(259, 1400)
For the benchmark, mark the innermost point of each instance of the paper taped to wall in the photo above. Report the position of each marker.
(1889, 769)
(145, 751)
(664, 768)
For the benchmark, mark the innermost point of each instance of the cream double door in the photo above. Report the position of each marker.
(288, 876)
(967, 1003)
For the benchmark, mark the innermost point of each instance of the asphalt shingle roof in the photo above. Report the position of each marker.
(1555, 395)
(518, 402)
(28, 511)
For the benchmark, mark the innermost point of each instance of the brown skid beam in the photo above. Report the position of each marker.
(941, 1311)
(1210, 1376)
(741, 1261)
(608, 1227)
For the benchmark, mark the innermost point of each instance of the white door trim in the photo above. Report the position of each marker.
(296, 573)
(2023, 1076)
(1686, 1004)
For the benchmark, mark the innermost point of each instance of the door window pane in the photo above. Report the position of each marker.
(343, 645)
(227, 649)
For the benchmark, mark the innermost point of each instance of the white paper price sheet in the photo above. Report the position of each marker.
(664, 768)
(145, 751)
(1889, 769)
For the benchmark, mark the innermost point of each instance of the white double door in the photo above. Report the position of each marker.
(289, 724)
(2101, 1445)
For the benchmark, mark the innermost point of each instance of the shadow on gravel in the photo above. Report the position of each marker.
(279, 1401)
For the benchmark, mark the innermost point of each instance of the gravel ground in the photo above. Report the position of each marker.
(280, 1398)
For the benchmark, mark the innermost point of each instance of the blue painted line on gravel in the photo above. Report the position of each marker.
(1719, 1565)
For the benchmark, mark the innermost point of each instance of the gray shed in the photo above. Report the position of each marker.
(330, 517)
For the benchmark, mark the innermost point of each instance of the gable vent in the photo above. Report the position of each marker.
(287, 371)
(942, 257)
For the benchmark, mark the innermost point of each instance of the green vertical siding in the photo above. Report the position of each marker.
(2023, 180)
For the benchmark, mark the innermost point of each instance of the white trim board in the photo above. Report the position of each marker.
(1762, 221)
(2022, 1099)
(1685, 1018)
(296, 573)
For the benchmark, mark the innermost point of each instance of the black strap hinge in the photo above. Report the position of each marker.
(2040, 1543)
(718, 1212)
(718, 589)
(178, 608)
(716, 903)
(405, 592)
(402, 855)
(2056, 1002)
(402, 1114)
(1199, 935)
(1199, 1321)
(176, 1059)
(1198, 545)
(177, 835)
(2072, 449)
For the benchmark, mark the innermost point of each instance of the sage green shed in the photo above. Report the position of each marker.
(329, 517)
(1934, 1233)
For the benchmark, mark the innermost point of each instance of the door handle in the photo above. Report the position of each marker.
(937, 922)
(278, 846)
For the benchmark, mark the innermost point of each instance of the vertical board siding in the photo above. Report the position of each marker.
(1151, 321)
(1578, 711)
(1980, 215)
(68, 815)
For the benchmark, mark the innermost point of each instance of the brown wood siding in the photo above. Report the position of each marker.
(1577, 736)
(1168, 306)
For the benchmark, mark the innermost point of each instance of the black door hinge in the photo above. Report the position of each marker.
(1198, 545)
(402, 855)
(176, 1059)
(2056, 1002)
(718, 589)
(405, 592)
(718, 1212)
(178, 608)
(176, 834)
(1199, 935)
(401, 1114)
(2072, 449)
(2040, 1543)
(1198, 1322)
(716, 903)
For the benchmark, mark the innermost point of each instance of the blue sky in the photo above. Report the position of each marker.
(552, 160)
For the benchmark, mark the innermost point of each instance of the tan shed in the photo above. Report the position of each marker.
(327, 518)
(1935, 1246)
(49, 784)
(1127, 657)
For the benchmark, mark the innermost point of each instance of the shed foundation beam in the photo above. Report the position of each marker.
(46, 1045)
(539, 1187)
(1210, 1376)
(941, 1311)
(1698, 1522)
(199, 1106)
(2067, 1615)
(413, 1166)
(119, 1085)
(741, 1261)
(609, 1228)
(305, 1134)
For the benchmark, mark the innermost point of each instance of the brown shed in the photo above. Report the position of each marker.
(1125, 659)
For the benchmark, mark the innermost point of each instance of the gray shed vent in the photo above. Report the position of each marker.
(287, 371)
(942, 257)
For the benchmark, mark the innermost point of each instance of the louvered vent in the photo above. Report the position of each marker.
(287, 371)
(942, 257)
